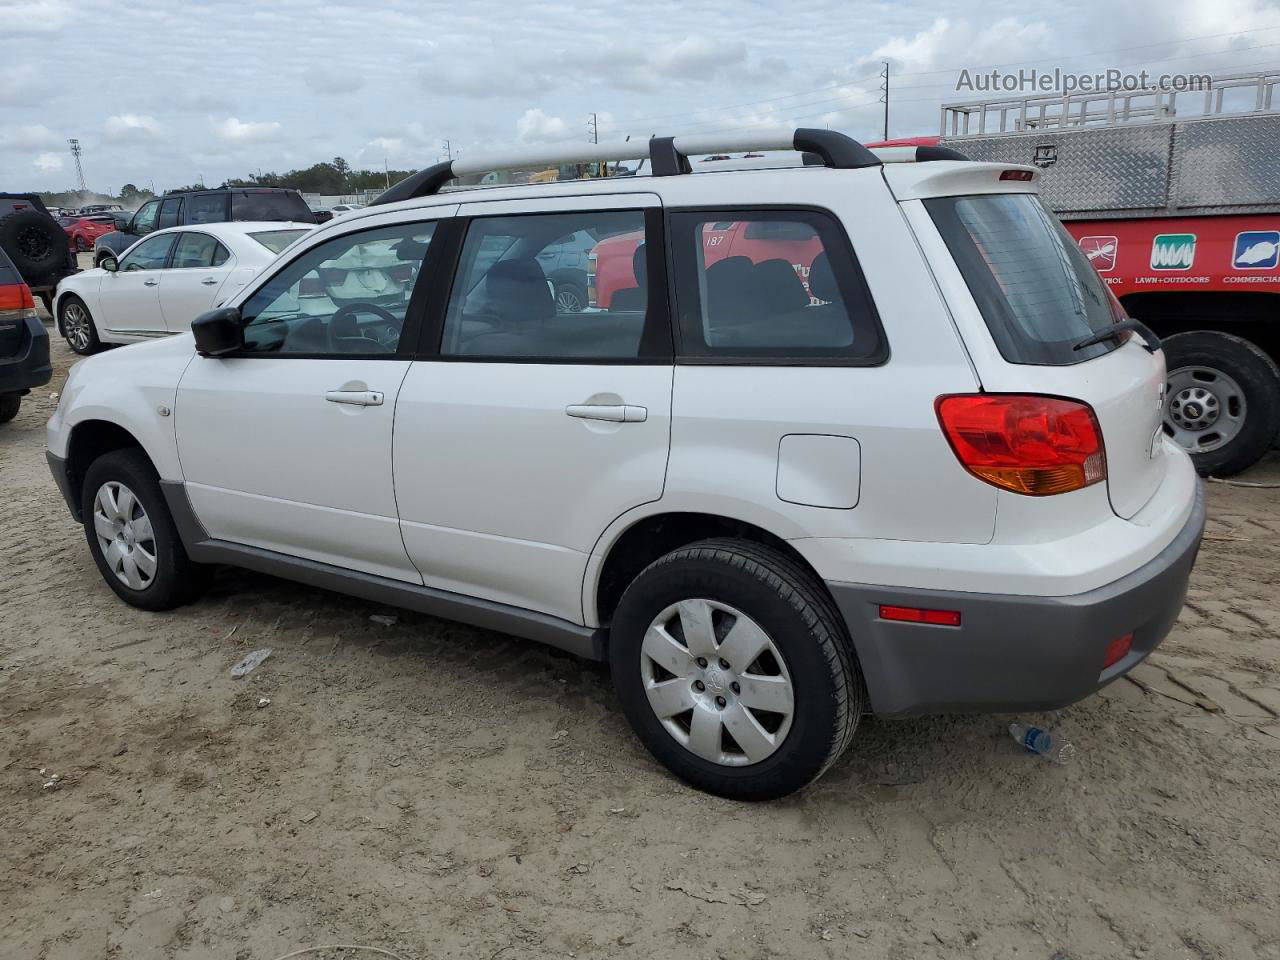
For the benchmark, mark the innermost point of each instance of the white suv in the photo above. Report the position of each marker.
(853, 435)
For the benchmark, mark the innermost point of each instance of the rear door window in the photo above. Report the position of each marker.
(169, 211)
(787, 288)
(1035, 288)
(207, 208)
(270, 205)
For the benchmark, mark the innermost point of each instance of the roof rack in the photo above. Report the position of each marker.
(668, 156)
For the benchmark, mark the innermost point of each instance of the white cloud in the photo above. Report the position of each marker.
(48, 161)
(28, 137)
(536, 125)
(32, 16)
(124, 125)
(235, 130)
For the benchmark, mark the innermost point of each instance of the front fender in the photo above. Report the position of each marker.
(134, 388)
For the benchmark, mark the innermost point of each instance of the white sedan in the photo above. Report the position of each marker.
(166, 280)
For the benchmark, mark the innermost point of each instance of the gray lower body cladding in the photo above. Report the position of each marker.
(1014, 652)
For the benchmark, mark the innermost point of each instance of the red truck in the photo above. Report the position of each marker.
(1180, 216)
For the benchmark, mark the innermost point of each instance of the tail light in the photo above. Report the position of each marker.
(16, 301)
(1028, 444)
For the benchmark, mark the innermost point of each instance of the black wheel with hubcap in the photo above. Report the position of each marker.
(735, 670)
(132, 536)
(1222, 401)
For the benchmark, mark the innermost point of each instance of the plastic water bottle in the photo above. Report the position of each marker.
(1043, 742)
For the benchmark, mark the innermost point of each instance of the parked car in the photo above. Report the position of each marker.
(164, 281)
(338, 209)
(84, 231)
(933, 481)
(205, 206)
(92, 208)
(24, 342)
(35, 243)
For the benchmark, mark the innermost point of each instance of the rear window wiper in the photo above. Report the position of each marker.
(1151, 343)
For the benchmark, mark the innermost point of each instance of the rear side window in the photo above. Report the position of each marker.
(207, 208)
(1035, 288)
(195, 250)
(771, 285)
(270, 205)
(169, 213)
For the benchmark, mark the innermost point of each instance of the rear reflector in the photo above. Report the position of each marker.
(1023, 175)
(16, 296)
(1028, 444)
(938, 618)
(1117, 650)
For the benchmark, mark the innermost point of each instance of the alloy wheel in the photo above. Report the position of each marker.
(75, 325)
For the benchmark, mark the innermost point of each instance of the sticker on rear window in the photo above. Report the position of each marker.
(1173, 251)
(1101, 252)
(1256, 250)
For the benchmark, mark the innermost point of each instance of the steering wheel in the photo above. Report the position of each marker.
(357, 342)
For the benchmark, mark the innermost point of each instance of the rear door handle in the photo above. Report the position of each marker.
(209, 281)
(149, 283)
(615, 412)
(358, 398)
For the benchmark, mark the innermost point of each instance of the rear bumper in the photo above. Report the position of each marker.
(1014, 652)
(30, 366)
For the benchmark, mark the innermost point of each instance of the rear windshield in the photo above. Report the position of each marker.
(277, 240)
(270, 205)
(1036, 290)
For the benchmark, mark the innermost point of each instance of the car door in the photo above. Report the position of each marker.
(129, 298)
(286, 444)
(529, 431)
(197, 270)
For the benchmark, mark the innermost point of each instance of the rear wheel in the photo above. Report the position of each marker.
(1222, 402)
(77, 326)
(570, 298)
(132, 536)
(9, 404)
(733, 666)
(82, 245)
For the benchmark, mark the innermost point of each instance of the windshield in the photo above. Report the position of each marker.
(1036, 290)
(277, 240)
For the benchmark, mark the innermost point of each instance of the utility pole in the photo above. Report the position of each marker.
(75, 152)
(593, 129)
(387, 170)
(884, 87)
(448, 150)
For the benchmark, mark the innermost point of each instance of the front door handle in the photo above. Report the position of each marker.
(209, 281)
(614, 412)
(149, 283)
(358, 398)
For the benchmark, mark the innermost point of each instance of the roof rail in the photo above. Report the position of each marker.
(668, 156)
(917, 154)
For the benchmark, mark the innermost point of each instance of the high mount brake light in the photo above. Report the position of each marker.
(1028, 444)
(1023, 175)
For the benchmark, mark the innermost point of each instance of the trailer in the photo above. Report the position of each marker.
(1175, 199)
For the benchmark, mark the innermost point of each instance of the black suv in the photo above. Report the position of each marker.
(35, 243)
(204, 206)
(24, 342)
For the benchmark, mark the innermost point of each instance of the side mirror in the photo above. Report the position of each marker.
(110, 264)
(218, 332)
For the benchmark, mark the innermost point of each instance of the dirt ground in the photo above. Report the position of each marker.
(440, 791)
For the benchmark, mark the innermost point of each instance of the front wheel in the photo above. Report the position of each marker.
(1222, 403)
(78, 328)
(132, 536)
(570, 298)
(734, 668)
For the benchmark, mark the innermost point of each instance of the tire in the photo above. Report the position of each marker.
(173, 579)
(77, 326)
(9, 404)
(1222, 404)
(570, 298)
(81, 245)
(810, 649)
(36, 244)
(47, 300)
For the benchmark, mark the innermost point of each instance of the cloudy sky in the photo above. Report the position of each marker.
(167, 92)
